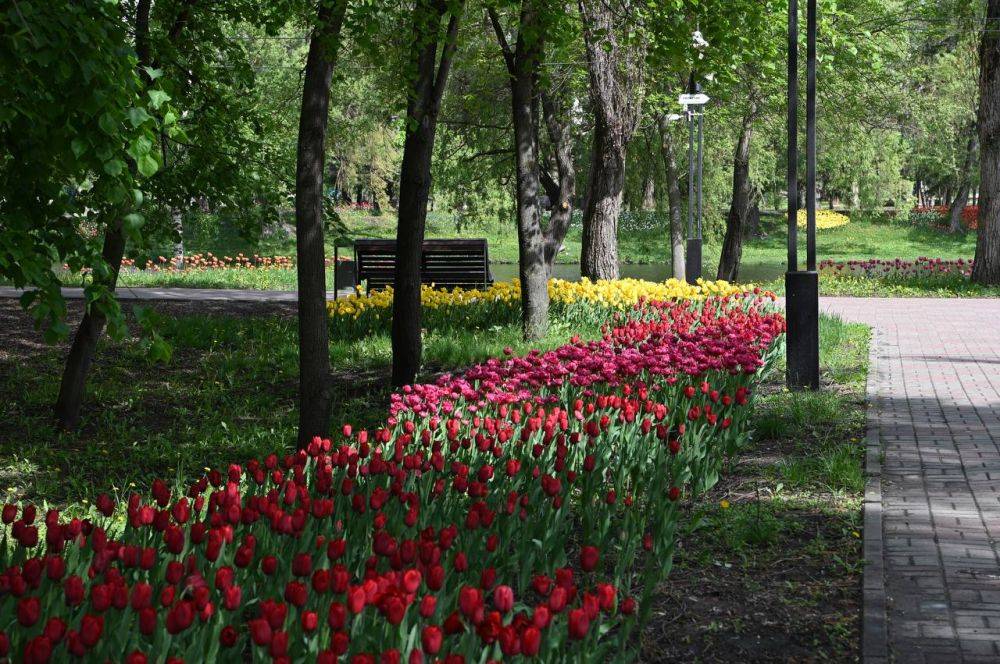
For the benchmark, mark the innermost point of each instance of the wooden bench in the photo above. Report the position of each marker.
(448, 264)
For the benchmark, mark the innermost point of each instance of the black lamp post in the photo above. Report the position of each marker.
(802, 286)
(694, 102)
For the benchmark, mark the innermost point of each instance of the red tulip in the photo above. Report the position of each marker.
(503, 598)
(531, 641)
(91, 627)
(309, 620)
(228, 636)
(578, 624)
(431, 639)
(28, 611)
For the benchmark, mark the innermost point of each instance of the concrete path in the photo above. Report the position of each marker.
(188, 294)
(936, 388)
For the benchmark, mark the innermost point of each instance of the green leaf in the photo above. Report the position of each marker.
(140, 146)
(137, 116)
(160, 351)
(153, 73)
(78, 147)
(133, 221)
(114, 167)
(147, 165)
(157, 98)
(107, 123)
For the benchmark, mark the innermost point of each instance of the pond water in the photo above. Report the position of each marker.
(752, 272)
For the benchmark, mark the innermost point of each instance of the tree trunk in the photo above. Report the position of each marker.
(732, 244)
(81, 353)
(561, 193)
(987, 268)
(537, 246)
(965, 184)
(177, 221)
(615, 73)
(314, 343)
(533, 269)
(649, 192)
(599, 258)
(673, 200)
(415, 182)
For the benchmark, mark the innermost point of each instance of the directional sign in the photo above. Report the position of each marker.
(699, 99)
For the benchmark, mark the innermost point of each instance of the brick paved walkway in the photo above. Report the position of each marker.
(938, 418)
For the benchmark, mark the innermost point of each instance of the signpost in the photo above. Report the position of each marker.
(694, 102)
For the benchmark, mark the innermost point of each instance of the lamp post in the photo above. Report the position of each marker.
(802, 286)
(694, 106)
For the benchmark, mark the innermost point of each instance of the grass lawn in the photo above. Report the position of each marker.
(643, 250)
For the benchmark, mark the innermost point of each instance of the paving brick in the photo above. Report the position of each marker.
(937, 417)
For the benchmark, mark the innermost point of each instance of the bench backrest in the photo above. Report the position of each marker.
(453, 263)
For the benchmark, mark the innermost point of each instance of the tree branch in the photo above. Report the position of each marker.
(508, 55)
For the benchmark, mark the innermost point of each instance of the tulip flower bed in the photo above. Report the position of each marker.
(922, 268)
(524, 509)
(573, 303)
(825, 219)
(939, 216)
(209, 270)
(920, 277)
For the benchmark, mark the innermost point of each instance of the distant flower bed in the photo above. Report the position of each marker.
(824, 219)
(581, 301)
(938, 215)
(209, 261)
(525, 510)
(921, 268)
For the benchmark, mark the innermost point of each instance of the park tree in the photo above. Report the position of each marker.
(668, 140)
(616, 62)
(310, 248)
(434, 27)
(118, 222)
(69, 134)
(987, 268)
(178, 46)
(532, 104)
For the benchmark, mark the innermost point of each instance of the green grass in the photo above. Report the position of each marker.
(228, 395)
(642, 246)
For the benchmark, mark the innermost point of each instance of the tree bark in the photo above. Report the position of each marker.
(987, 268)
(964, 184)
(429, 83)
(673, 200)
(538, 247)
(88, 334)
(177, 221)
(732, 244)
(561, 191)
(314, 343)
(615, 73)
(648, 192)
